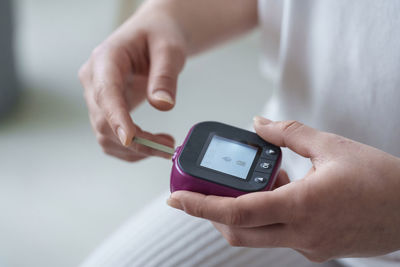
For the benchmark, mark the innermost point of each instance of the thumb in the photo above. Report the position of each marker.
(166, 62)
(294, 135)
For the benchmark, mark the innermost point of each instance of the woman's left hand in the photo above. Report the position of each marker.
(347, 205)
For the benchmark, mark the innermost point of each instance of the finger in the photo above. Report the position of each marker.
(102, 129)
(114, 148)
(107, 86)
(249, 210)
(166, 63)
(300, 138)
(125, 155)
(85, 75)
(275, 235)
(104, 135)
(136, 90)
(106, 139)
(99, 122)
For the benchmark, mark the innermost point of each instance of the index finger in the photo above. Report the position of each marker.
(249, 210)
(108, 84)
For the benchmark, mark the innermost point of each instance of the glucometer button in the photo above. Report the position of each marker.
(260, 180)
(264, 166)
(269, 153)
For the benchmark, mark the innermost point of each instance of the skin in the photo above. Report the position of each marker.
(347, 205)
(142, 59)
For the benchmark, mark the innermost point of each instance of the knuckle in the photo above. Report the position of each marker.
(111, 116)
(314, 243)
(98, 94)
(99, 50)
(290, 127)
(235, 216)
(198, 210)
(169, 46)
(104, 93)
(232, 238)
(82, 73)
(101, 126)
(315, 258)
(87, 95)
(130, 158)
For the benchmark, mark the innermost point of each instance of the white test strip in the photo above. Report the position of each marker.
(154, 145)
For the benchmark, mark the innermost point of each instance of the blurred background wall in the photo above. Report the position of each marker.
(8, 81)
(59, 195)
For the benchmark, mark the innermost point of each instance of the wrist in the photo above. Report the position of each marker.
(203, 24)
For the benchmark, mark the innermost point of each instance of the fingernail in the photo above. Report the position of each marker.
(174, 203)
(261, 120)
(163, 96)
(122, 136)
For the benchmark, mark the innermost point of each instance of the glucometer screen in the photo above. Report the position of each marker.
(229, 156)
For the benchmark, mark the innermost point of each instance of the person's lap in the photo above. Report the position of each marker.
(162, 236)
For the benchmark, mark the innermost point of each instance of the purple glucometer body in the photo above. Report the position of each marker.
(218, 159)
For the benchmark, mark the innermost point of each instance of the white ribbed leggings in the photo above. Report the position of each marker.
(163, 236)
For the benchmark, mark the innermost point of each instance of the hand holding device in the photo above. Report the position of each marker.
(346, 205)
(142, 60)
(218, 159)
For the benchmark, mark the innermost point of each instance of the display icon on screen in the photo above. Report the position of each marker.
(241, 163)
(227, 159)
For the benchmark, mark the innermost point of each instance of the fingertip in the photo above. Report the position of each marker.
(126, 136)
(174, 203)
(262, 126)
(131, 134)
(259, 121)
(122, 136)
(178, 194)
(162, 100)
(166, 139)
(164, 96)
(185, 196)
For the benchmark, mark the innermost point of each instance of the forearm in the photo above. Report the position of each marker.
(206, 23)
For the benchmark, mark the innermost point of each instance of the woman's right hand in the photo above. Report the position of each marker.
(140, 60)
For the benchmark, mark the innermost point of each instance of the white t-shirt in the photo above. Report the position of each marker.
(336, 67)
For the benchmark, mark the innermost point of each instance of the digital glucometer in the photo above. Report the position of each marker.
(218, 159)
